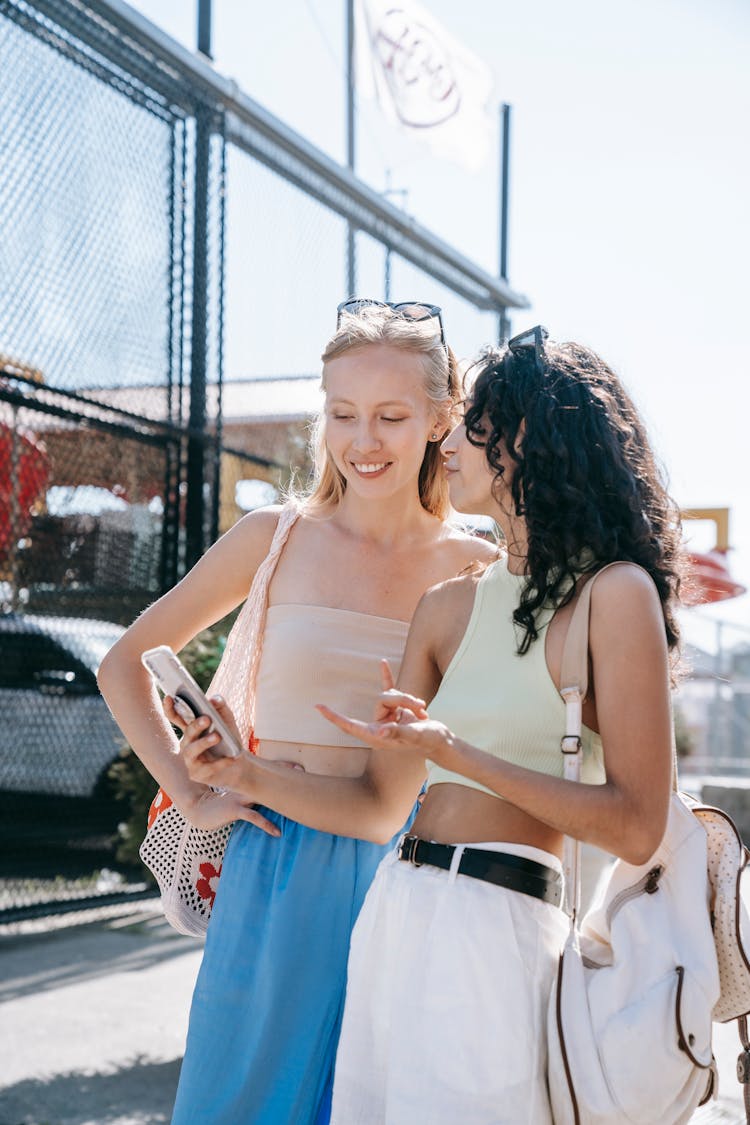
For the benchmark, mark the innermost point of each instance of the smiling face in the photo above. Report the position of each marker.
(378, 418)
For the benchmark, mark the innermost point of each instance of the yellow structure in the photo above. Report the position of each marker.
(720, 517)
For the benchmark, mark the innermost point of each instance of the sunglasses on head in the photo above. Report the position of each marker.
(409, 310)
(531, 342)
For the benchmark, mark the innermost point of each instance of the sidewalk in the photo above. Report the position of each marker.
(93, 1021)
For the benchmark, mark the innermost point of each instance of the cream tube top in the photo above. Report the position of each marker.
(315, 654)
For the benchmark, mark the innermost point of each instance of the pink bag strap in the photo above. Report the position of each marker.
(574, 670)
(237, 673)
(574, 686)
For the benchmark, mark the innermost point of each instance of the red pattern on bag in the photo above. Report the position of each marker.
(172, 846)
(160, 802)
(204, 886)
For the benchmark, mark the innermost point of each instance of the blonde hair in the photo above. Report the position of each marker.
(379, 324)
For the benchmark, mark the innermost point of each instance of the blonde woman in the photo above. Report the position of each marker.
(367, 542)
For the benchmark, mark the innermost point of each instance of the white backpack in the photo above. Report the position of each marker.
(655, 960)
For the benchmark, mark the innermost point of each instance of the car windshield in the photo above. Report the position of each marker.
(87, 640)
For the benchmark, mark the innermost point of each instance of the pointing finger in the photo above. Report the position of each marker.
(386, 675)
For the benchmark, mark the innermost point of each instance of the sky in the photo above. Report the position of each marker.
(630, 216)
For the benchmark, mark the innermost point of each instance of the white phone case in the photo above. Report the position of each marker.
(174, 679)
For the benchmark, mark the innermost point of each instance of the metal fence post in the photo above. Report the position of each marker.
(195, 508)
(195, 503)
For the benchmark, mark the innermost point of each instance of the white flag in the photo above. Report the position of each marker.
(425, 79)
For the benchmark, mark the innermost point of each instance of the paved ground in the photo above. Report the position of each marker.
(93, 1020)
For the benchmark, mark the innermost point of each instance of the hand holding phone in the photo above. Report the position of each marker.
(190, 701)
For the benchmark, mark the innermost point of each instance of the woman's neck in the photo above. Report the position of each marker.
(516, 541)
(386, 522)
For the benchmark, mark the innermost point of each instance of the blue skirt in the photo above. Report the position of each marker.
(267, 1006)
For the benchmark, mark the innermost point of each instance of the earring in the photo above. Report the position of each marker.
(433, 437)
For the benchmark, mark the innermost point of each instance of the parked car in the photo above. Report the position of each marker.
(57, 737)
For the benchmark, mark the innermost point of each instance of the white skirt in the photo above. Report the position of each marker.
(446, 1000)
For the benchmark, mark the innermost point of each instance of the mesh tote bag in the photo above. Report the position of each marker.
(186, 861)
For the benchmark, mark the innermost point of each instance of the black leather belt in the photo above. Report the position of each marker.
(501, 868)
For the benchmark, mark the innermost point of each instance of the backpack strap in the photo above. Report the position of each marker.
(574, 670)
(574, 686)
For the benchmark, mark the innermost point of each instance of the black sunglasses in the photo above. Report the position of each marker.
(531, 341)
(409, 310)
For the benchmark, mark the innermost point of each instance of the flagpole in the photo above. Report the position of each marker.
(387, 278)
(351, 272)
(204, 28)
(504, 123)
(403, 194)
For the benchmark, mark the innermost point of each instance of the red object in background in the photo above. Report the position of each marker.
(31, 477)
(709, 579)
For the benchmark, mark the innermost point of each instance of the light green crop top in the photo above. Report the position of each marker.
(501, 702)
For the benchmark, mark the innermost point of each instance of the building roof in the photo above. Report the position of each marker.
(290, 398)
(295, 398)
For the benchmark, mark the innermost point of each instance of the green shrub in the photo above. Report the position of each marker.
(129, 779)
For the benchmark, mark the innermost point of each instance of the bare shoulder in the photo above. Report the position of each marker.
(217, 583)
(253, 533)
(261, 522)
(451, 600)
(624, 582)
(443, 615)
(624, 597)
(238, 553)
(629, 654)
(469, 549)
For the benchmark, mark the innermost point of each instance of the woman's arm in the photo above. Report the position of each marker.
(371, 807)
(218, 583)
(627, 814)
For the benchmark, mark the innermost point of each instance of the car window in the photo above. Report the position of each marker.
(30, 660)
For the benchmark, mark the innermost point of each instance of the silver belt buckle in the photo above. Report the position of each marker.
(407, 849)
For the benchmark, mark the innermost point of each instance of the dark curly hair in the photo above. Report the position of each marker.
(586, 481)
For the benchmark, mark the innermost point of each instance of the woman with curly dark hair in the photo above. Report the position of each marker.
(582, 474)
(454, 952)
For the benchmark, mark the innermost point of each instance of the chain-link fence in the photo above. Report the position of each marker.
(158, 229)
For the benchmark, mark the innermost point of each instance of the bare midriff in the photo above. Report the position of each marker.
(453, 814)
(332, 761)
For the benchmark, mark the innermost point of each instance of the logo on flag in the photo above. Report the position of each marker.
(425, 80)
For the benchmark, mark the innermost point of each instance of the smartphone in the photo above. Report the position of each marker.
(190, 701)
